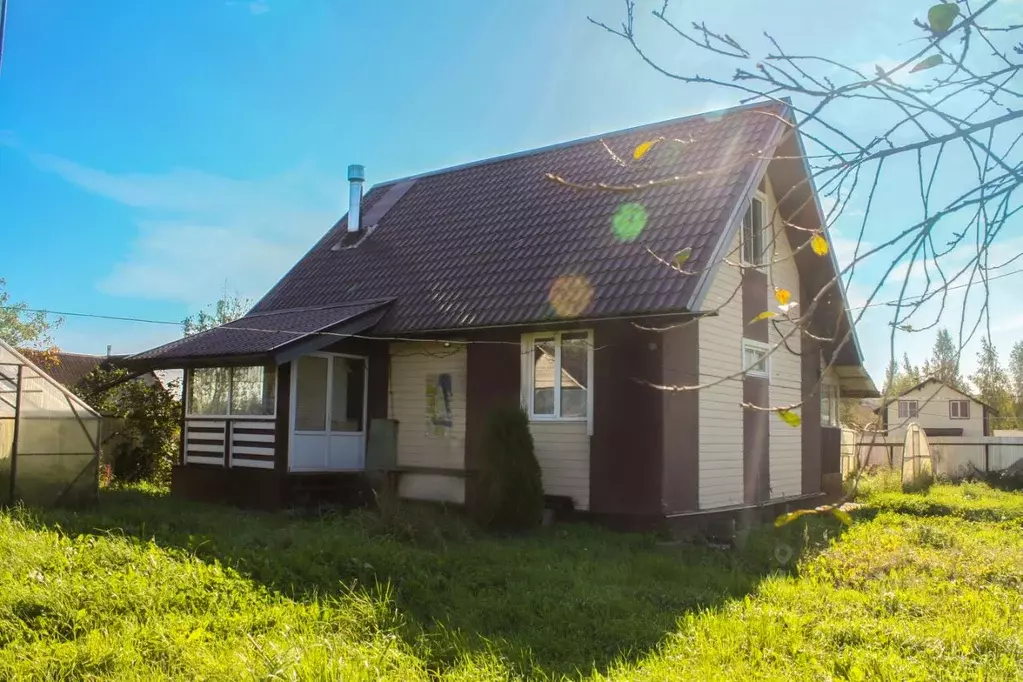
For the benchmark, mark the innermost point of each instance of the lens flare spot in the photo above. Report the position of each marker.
(628, 221)
(571, 295)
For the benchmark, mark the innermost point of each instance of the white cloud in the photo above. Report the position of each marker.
(198, 231)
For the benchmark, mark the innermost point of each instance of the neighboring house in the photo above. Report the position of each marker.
(71, 368)
(939, 409)
(443, 295)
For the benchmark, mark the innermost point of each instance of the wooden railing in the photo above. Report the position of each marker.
(230, 442)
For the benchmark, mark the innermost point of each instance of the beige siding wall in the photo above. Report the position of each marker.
(720, 405)
(563, 449)
(786, 461)
(721, 421)
(418, 445)
(933, 402)
(432, 487)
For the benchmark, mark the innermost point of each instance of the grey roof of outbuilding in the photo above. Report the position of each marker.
(261, 334)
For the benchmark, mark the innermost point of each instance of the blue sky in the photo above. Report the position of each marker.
(153, 153)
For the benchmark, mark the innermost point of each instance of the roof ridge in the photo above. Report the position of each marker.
(582, 140)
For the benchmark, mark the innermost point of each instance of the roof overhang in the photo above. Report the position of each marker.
(270, 349)
(854, 382)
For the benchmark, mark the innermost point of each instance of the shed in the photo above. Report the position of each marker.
(49, 438)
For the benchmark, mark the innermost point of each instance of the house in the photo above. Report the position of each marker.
(516, 279)
(939, 409)
(69, 369)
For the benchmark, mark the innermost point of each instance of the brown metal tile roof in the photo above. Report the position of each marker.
(258, 334)
(498, 243)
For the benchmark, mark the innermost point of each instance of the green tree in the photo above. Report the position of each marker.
(228, 308)
(143, 444)
(900, 379)
(509, 493)
(1016, 376)
(22, 328)
(993, 385)
(943, 364)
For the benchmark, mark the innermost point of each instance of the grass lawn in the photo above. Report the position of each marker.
(925, 586)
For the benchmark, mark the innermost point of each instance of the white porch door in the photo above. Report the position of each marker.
(328, 413)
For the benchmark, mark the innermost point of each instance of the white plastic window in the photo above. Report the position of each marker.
(560, 365)
(755, 358)
(232, 391)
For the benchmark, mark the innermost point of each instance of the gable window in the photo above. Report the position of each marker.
(830, 398)
(754, 358)
(753, 233)
(909, 409)
(959, 409)
(232, 391)
(560, 365)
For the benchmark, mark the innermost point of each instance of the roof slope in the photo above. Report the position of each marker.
(934, 380)
(71, 368)
(484, 244)
(259, 334)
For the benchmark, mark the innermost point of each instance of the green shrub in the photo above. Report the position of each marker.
(509, 495)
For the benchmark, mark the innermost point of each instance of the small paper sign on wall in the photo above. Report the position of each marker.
(439, 418)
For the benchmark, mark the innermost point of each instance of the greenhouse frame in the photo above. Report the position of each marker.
(49, 438)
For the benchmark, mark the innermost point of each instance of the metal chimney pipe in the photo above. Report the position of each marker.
(356, 177)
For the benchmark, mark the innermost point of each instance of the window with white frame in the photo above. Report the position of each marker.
(753, 233)
(959, 409)
(830, 401)
(560, 365)
(909, 409)
(754, 358)
(232, 391)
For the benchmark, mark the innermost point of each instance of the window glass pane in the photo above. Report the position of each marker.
(755, 359)
(311, 394)
(543, 376)
(253, 390)
(753, 233)
(575, 379)
(348, 377)
(208, 389)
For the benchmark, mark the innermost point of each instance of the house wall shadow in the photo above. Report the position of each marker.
(564, 600)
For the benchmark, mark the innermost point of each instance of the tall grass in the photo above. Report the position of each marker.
(145, 587)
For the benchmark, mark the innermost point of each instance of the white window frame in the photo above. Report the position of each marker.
(833, 394)
(760, 346)
(961, 402)
(913, 413)
(230, 394)
(528, 367)
(761, 199)
(328, 411)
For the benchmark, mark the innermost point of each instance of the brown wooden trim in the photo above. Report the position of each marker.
(754, 302)
(252, 444)
(205, 429)
(252, 432)
(282, 423)
(205, 441)
(256, 458)
(680, 486)
(756, 441)
(492, 371)
(627, 446)
(227, 443)
(810, 366)
(182, 428)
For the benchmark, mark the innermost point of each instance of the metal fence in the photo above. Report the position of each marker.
(952, 456)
